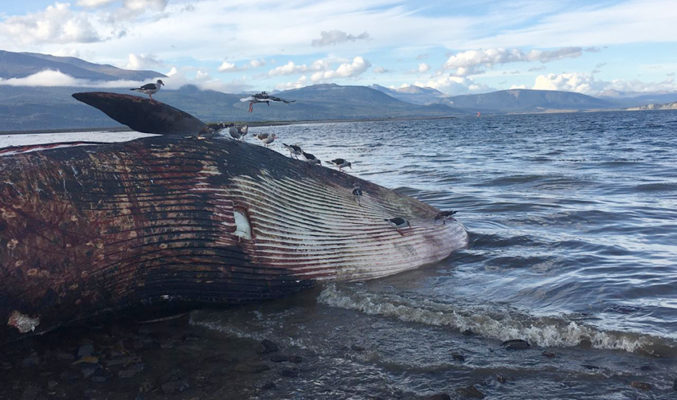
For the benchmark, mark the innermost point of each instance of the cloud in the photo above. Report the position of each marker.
(140, 61)
(380, 70)
(137, 5)
(93, 3)
(322, 69)
(345, 70)
(335, 37)
(423, 67)
(227, 66)
(453, 85)
(58, 78)
(473, 62)
(587, 84)
(56, 24)
(301, 82)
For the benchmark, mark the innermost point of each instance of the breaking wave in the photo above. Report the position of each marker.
(494, 321)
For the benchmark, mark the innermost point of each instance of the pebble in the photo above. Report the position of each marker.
(251, 368)
(85, 350)
(515, 344)
(173, 387)
(282, 358)
(640, 385)
(438, 396)
(30, 393)
(468, 332)
(268, 346)
(548, 354)
(357, 348)
(458, 357)
(31, 361)
(131, 371)
(470, 391)
(289, 372)
(500, 378)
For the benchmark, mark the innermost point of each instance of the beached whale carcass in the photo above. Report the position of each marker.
(183, 219)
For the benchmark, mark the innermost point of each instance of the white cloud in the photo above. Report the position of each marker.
(227, 67)
(58, 78)
(345, 70)
(155, 5)
(379, 70)
(423, 67)
(473, 62)
(288, 69)
(301, 82)
(56, 24)
(587, 84)
(453, 85)
(257, 63)
(140, 61)
(93, 3)
(335, 37)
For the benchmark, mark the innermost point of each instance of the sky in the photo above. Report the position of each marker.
(457, 47)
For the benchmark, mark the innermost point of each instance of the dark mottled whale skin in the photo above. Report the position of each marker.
(178, 220)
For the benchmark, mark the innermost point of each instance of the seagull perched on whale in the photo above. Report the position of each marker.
(444, 216)
(266, 138)
(294, 150)
(311, 158)
(263, 97)
(238, 133)
(150, 88)
(398, 223)
(341, 163)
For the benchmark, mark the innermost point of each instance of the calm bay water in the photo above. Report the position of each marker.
(573, 248)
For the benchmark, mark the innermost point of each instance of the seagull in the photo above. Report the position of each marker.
(266, 139)
(444, 216)
(398, 223)
(263, 97)
(341, 163)
(150, 88)
(294, 150)
(311, 158)
(238, 133)
(357, 192)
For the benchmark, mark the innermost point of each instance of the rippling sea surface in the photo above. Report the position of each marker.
(573, 248)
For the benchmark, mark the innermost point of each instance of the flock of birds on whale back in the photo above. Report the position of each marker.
(295, 151)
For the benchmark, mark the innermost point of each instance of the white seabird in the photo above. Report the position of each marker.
(263, 97)
(150, 88)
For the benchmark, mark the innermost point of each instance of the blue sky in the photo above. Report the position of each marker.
(457, 47)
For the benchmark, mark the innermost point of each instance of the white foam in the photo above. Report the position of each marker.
(493, 321)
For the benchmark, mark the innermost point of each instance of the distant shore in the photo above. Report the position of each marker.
(250, 123)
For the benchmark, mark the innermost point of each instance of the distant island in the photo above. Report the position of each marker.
(25, 108)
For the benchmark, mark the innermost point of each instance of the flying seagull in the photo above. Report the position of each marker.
(263, 97)
(150, 88)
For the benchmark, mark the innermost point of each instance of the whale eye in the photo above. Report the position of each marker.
(242, 227)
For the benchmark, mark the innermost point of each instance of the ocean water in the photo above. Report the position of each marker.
(572, 221)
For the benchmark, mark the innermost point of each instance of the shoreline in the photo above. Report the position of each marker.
(250, 123)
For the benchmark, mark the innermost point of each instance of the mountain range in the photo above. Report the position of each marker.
(43, 108)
